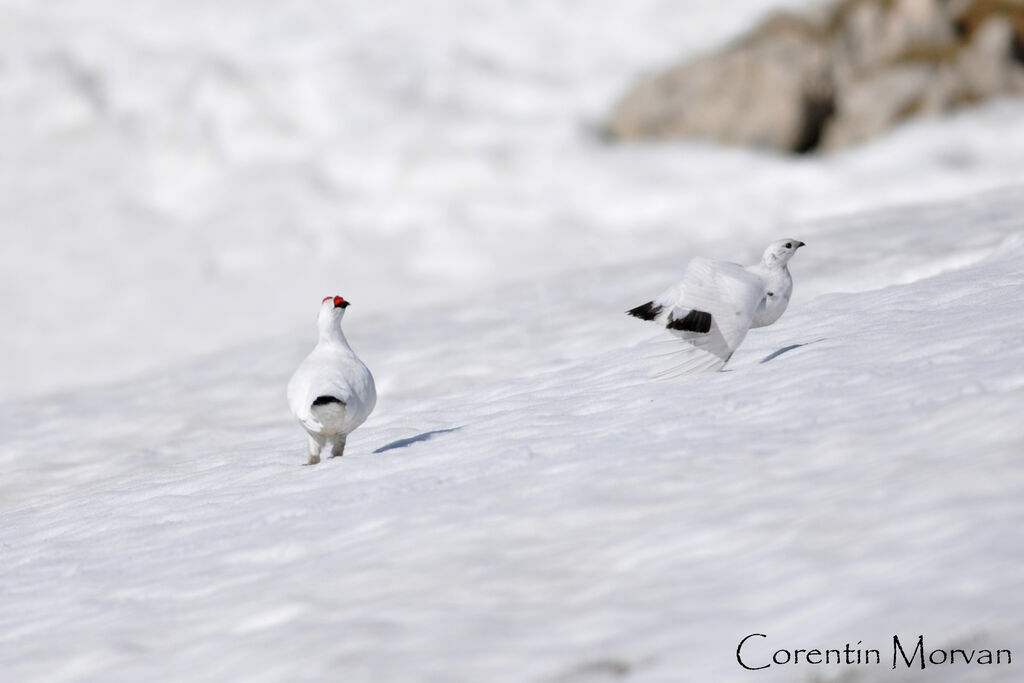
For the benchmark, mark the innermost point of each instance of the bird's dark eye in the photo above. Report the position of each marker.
(789, 245)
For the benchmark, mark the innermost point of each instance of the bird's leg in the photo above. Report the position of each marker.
(338, 448)
(314, 451)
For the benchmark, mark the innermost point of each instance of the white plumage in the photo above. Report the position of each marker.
(716, 302)
(332, 391)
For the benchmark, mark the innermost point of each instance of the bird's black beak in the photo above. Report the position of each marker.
(342, 305)
(799, 244)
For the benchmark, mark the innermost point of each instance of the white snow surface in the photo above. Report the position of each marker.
(180, 187)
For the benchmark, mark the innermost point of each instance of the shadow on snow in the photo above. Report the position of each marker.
(425, 436)
(775, 354)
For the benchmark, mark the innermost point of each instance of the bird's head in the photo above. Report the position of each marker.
(780, 251)
(332, 310)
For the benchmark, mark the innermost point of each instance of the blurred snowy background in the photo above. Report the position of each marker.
(181, 184)
(190, 176)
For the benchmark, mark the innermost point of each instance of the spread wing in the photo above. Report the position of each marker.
(713, 308)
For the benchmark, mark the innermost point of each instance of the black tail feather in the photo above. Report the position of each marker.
(647, 311)
(324, 400)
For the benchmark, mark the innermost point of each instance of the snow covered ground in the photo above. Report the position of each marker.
(181, 189)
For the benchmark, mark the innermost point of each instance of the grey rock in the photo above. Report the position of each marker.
(760, 93)
(834, 77)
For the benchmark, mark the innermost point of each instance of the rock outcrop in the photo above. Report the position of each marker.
(832, 78)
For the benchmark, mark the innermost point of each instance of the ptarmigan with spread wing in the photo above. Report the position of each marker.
(718, 301)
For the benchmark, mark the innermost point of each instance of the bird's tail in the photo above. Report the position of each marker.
(647, 311)
(330, 412)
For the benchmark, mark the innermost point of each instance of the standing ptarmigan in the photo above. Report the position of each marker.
(331, 392)
(718, 301)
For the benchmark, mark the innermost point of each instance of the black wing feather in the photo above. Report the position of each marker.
(695, 321)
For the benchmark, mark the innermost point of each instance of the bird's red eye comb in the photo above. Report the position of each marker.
(338, 300)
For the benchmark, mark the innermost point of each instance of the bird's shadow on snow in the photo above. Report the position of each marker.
(408, 441)
(775, 354)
